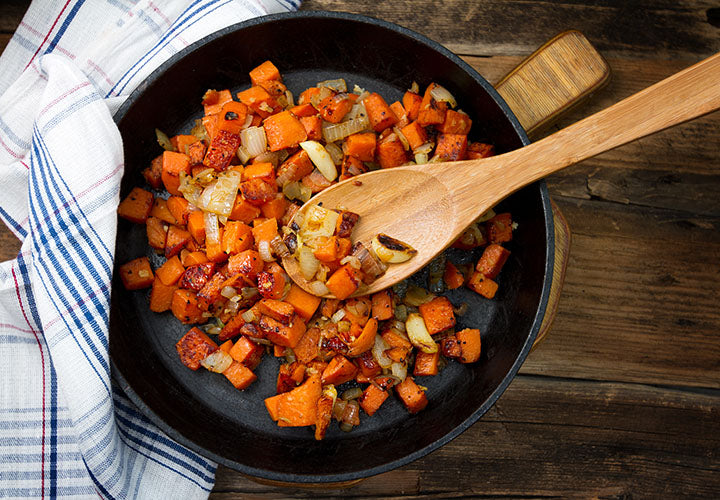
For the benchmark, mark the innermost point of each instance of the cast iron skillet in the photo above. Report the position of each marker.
(202, 410)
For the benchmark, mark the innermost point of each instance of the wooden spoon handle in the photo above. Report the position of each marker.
(681, 97)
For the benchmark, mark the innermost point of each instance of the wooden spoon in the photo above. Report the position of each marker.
(429, 206)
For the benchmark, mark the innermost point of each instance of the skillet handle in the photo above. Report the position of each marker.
(555, 78)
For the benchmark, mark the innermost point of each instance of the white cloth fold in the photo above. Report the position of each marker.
(65, 429)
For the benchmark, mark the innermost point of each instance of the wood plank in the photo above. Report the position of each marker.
(12, 13)
(549, 437)
(643, 28)
(639, 301)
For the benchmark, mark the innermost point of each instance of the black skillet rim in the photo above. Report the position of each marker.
(547, 278)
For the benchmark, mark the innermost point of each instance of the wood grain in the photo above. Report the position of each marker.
(557, 76)
(553, 437)
(645, 213)
(643, 28)
(447, 197)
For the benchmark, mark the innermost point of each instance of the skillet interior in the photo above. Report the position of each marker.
(202, 410)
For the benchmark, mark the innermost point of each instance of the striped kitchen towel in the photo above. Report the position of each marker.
(65, 428)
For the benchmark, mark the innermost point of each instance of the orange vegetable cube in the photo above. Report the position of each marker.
(411, 395)
(243, 211)
(455, 123)
(379, 113)
(470, 344)
(185, 307)
(162, 212)
(299, 406)
(265, 231)
(411, 102)
(170, 272)
(175, 240)
(478, 150)
(258, 192)
(305, 304)
(239, 375)
(136, 274)
(344, 282)
(283, 130)
(382, 305)
(482, 285)
(153, 173)
(161, 296)
(246, 263)
(281, 311)
(499, 228)
(438, 315)
(214, 100)
(222, 149)
(451, 147)
(247, 352)
(431, 112)
(136, 206)
(334, 107)
(339, 370)
(452, 277)
(193, 347)
(372, 398)
(179, 208)
(237, 237)
(414, 134)
(156, 232)
(390, 152)
(173, 165)
(232, 117)
(492, 260)
(259, 101)
(264, 72)
(283, 335)
(307, 348)
(426, 364)
(362, 146)
(264, 171)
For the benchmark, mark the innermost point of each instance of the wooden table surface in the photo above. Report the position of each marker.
(623, 397)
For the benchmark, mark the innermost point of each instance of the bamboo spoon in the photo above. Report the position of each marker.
(429, 206)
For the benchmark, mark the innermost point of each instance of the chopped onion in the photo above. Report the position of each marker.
(258, 340)
(199, 131)
(419, 335)
(249, 316)
(441, 94)
(339, 314)
(290, 99)
(322, 273)
(391, 250)
(318, 222)
(378, 352)
(205, 176)
(164, 140)
(486, 216)
(212, 229)
(352, 260)
(338, 85)
(462, 309)
(243, 155)
(345, 427)
(219, 196)
(289, 355)
(414, 88)
(264, 251)
(249, 293)
(218, 361)
(335, 152)
(318, 288)
(337, 131)
(352, 393)
(351, 415)
(399, 370)
(370, 265)
(343, 326)
(402, 138)
(401, 312)
(274, 157)
(279, 247)
(319, 96)
(308, 263)
(424, 148)
(232, 306)
(253, 140)
(190, 189)
(339, 409)
(421, 158)
(296, 191)
(416, 296)
(228, 292)
(320, 158)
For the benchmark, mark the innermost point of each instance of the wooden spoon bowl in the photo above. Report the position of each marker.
(428, 206)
